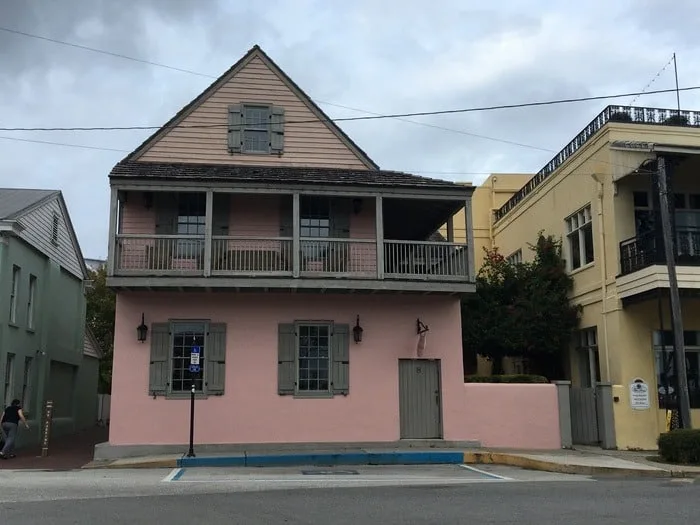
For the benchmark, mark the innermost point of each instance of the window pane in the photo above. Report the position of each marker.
(679, 200)
(314, 358)
(641, 199)
(588, 242)
(185, 336)
(254, 140)
(575, 250)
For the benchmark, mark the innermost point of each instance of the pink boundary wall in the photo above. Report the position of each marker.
(513, 415)
(251, 411)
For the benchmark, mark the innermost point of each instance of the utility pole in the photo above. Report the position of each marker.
(676, 318)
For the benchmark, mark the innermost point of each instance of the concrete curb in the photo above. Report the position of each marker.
(326, 459)
(515, 460)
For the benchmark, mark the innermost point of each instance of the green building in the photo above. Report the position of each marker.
(46, 353)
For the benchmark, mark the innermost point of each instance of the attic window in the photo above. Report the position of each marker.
(256, 129)
(54, 229)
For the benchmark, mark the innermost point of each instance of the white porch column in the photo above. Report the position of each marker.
(379, 234)
(296, 228)
(208, 226)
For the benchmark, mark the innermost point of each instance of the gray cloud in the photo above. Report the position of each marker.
(389, 56)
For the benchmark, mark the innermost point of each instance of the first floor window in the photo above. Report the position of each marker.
(187, 336)
(313, 359)
(172, 346)
(666, 376)
(579, 234)
(515, 258)
(9, 379)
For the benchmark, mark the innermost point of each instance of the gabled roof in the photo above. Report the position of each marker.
(254, 52)
(18, 202)
(278, 174)
(15, 201)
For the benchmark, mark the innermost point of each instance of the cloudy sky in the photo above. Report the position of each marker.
(380, 56)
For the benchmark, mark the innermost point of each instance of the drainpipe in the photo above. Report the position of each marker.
(603, 274)
(493, 208)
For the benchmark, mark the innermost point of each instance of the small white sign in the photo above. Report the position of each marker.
(639, 395)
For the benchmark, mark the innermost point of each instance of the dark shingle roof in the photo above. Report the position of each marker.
(15, 200)
(272, 174)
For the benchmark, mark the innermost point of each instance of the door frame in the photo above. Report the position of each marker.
(438, 366)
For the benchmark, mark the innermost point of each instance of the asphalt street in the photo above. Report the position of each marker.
(340, 496)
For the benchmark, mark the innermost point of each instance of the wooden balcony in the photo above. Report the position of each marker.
(185, 256)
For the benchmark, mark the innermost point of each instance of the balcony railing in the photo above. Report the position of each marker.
(137, 254)
(646, 250)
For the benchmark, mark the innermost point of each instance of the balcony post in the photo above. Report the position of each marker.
(451, 229)
(113, 230)
(296, 229)
(379, 225)
(208, 221)
(469, 237)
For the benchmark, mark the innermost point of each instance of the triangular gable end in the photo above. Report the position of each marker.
(37, 225)
(199, 131)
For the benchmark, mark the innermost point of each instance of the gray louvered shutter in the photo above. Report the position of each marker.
(286, 216)
(340, 360)
(215, 359)
(277, 129)
(340, 218)
(286, 360)
(166, 213)
(220, 215)
(235, 128)
(160, 352)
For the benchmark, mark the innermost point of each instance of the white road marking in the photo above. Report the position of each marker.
(172, 475)
(335, 479)
(484, 473)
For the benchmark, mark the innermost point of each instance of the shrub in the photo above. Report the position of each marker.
(516, 378)
(680, 446)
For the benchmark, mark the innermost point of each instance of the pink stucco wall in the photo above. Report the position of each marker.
(251, 411)
(513, 415)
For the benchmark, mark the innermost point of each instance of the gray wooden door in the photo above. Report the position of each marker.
(584, 416)
(420, 403)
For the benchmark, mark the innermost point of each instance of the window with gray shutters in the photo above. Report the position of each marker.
(256, 128)
(171, 349)
(313, 359)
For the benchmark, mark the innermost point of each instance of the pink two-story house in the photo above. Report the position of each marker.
(252, 227)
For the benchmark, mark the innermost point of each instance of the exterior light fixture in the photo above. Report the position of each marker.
(142, 330)
(357, 331)
(420, 327)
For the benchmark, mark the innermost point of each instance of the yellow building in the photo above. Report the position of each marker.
(599, 194)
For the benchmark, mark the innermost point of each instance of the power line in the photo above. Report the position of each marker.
(83, 146)
(369, 117)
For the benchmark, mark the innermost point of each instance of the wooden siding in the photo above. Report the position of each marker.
(89, 346)
(38, 226)
(255, 216)
(307, 140)
(135, 217)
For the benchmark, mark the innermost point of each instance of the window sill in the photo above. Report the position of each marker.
(582, 268)
(13, 325)
(31, 330)
(320, 395)
(186, 396)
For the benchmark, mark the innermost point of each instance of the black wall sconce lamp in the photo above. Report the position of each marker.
(357, 205)
(420, 327)
(141, 330)
(357, 331)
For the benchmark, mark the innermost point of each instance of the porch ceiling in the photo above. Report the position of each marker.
(415, 220)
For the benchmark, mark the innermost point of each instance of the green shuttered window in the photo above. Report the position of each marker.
(171, 347)
(313, 359)
(256, 128)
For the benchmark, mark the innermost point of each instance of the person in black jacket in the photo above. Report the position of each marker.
(9, 424)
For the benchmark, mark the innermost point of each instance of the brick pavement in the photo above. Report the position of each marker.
(65, 452)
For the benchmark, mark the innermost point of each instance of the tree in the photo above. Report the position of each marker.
(101, 304)
(522, 310)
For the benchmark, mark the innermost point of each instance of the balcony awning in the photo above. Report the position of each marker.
(642, 152)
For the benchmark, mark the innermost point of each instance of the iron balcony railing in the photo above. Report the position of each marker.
(629, 114)
(141, 254)
(647, 249)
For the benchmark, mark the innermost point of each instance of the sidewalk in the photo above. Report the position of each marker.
(65, 453)
(590, 462)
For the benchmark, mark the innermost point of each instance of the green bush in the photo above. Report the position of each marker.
(516, 378)
(680, 446)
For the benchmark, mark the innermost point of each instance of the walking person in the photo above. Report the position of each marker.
(9, 424)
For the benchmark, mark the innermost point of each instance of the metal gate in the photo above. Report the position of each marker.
(584, 416)
(419, 399)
